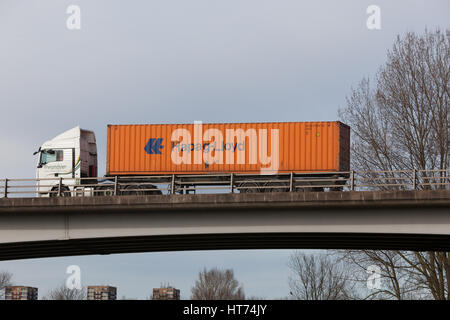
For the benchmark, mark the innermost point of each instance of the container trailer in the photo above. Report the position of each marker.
(201, 153)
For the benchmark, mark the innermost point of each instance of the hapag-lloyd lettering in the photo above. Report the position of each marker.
(211, 147)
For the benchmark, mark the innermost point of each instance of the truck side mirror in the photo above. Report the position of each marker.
(36, 152)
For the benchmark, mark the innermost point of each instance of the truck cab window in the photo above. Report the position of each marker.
(48, 156)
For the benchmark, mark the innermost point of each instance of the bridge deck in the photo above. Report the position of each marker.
(411, 198)
(46, 227)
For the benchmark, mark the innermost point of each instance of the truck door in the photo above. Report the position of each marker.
(56, 163)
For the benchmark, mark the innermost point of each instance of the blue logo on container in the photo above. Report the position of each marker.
(153, 146)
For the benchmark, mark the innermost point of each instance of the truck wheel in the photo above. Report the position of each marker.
(65, 192)
(104, 191)
(130, 190)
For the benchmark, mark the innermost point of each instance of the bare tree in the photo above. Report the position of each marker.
(5, 280)
(318, 277)
(217, 284)
(403, 274)
(256, 298)
(64, 293)
(402, 122)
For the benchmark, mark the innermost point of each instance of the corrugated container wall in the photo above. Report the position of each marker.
(228, 147)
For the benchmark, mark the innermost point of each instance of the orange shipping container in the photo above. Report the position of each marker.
(275, 147)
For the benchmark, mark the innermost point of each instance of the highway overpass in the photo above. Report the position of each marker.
(49, 227)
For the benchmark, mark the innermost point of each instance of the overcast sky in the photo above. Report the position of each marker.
(172, 61)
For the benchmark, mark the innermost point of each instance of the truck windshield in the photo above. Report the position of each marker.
(48, 156)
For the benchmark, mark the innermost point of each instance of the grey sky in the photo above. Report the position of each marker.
(263, 273)
(176, 61)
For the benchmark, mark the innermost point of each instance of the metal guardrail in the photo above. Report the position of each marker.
(228, 183)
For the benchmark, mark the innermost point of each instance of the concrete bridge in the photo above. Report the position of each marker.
(49, 227)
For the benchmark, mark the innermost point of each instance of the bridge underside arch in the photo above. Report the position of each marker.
(104, 246)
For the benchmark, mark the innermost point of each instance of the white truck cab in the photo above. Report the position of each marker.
(71, 155)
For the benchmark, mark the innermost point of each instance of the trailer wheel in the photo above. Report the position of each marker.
(340, 187)
(301, 186)
(308, 187)
(155, 190)
(140, 190)
(276, 187)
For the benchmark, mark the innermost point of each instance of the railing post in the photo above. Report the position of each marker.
(232, 183)
(6, 189)
(352, 180)
(115, 186)
(414, 179)
(59, 187)
(172, 185)
(291, 182)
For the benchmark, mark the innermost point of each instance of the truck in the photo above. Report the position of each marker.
(159, 159)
